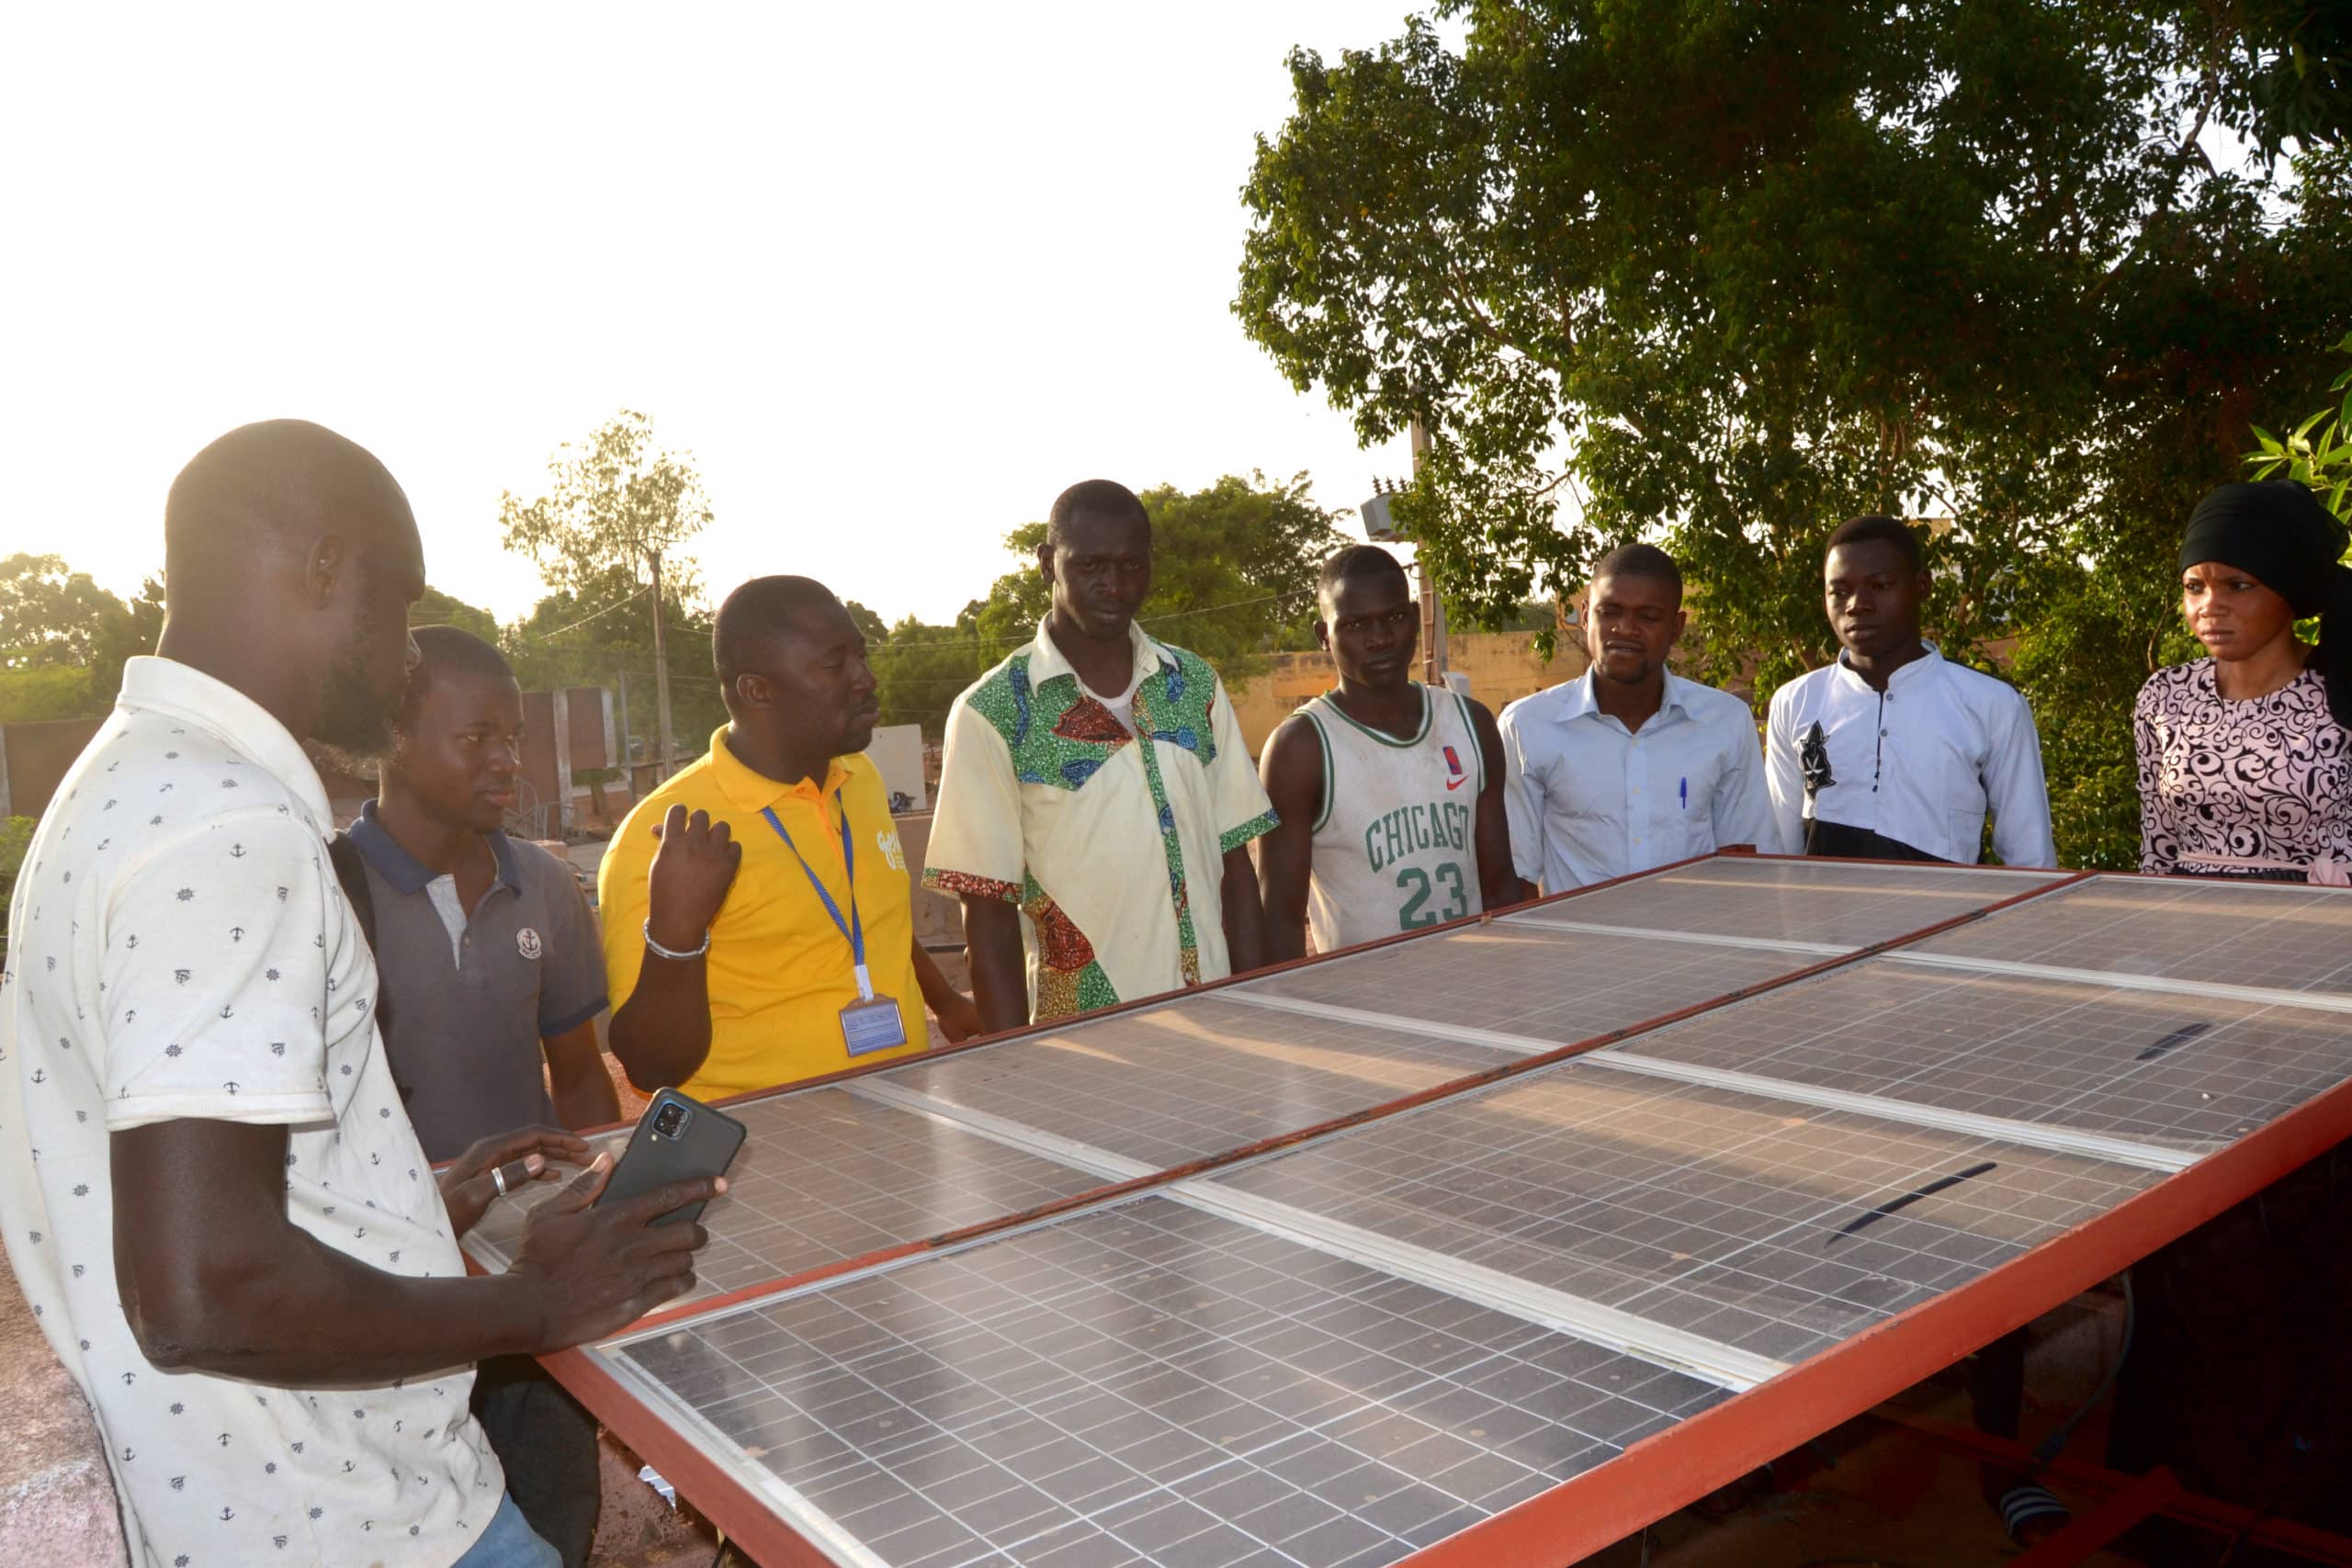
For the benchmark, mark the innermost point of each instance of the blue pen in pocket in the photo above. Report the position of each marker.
(1686, 795)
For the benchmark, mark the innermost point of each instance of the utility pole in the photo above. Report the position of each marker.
(1432, 607)
(628, 767)
(661, 673)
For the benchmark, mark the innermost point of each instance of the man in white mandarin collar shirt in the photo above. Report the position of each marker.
(1629, 767)
(1893, 753)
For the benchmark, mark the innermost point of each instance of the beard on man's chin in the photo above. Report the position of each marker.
(355, 724)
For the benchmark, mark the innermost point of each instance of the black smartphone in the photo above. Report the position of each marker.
(678, 1139)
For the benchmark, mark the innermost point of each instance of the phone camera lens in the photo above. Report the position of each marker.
(671, 1121)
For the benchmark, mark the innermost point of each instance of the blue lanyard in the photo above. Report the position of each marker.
(850, 927)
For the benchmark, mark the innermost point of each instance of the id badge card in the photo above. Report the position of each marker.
(871, 1026)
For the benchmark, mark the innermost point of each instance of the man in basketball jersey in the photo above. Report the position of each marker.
(1388, 791)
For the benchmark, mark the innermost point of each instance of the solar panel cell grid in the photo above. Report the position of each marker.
(1843, 903)
(1770, 1227)
(2200, 930)
(1170, 1084)
(1151, 1385)
(825, 1175)
(1553, 985)
(2182, 1071)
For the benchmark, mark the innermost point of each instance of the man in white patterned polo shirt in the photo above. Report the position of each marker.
(209, 1189)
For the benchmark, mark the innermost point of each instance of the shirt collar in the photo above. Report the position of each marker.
(1046, 660)
(751, 790)
(181, 691)
(405, 871)
(1578, 698)
(1916, 672)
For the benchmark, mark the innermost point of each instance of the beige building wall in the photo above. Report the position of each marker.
(1503, 667)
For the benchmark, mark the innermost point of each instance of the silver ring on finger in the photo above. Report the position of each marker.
(498, 1179)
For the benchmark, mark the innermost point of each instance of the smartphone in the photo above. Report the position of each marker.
(678, 1139)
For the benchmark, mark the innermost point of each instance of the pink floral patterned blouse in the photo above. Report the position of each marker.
(2221, 782)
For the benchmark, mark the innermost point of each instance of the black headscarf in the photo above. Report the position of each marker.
(2279, 534)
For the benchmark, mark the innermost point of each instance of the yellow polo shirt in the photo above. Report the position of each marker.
(779, 968)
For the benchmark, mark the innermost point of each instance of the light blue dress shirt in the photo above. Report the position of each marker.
(1590, 799)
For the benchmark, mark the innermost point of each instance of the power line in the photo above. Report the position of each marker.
(522, 629)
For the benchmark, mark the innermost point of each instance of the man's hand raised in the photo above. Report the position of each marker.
(691, 874)
(594, 1271)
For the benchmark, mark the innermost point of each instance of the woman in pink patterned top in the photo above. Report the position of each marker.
(2242, 1342)
(2246, 762)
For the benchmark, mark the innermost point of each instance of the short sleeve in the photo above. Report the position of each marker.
(622, 899)
(572, 982)
(976, 848)
(215, 967)
(1243, 810)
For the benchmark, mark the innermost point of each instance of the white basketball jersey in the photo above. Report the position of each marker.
(1396, 845)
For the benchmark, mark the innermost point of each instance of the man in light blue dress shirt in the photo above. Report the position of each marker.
(1629, 767)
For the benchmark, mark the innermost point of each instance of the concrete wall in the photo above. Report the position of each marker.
(33, 760)
(1502, 667)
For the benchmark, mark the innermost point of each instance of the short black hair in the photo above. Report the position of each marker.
(1876, 529)
(448, 650)
(1359, 560)
(1640, 560)
(755, 612)
(1094, 497)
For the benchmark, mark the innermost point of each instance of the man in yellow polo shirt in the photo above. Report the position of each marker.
(758, 923)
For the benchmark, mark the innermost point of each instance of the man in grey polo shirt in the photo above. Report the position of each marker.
(489, 962)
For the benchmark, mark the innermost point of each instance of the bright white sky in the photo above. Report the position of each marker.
(894, 276)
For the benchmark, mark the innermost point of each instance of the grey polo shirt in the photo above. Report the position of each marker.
(471, 998)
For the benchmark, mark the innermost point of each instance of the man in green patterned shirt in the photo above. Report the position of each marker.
(1096, 802)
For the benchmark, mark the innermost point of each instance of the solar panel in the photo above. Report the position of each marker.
(2194, 931)
(1147, 1384)
(1772, 1227)
(1835, 904)
(1169, 1083)
(1551, 986)
(2173, 1070)
(1444, 1298)
(825, 1175)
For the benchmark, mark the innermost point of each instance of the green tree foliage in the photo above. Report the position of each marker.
(615, 501)
(922, 668)
(2316, 453)
(616, 512)
(63, 639)
(439, 609)
(2297, 84)
(49, 614)
(1723, 273)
